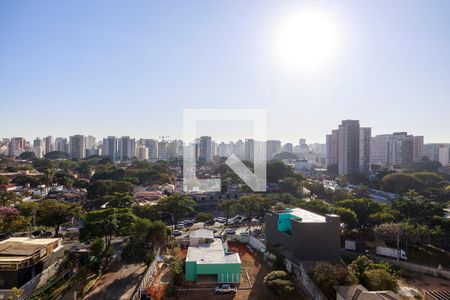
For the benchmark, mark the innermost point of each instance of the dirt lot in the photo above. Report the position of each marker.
(423, 283)
(255, 290)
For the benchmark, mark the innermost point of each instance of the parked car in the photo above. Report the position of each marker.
(179, 226)
(177, 233)
(220, 219)
(225, 289)
(188, 224)
(230, 231)
(210, 222)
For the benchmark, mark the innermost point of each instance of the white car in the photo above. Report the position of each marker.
(177, 233)
(231, 231)
(225, 289)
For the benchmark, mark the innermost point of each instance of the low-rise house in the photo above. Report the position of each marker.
(307, 236)
(208, 259)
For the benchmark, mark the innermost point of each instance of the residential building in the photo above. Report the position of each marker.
(418, 148)
(152, 146)
(61, 145)
(16, 146)
(348, 161)
(48, 144)
(333, 148)
(303, 234)
(379, 148)
(273, 147)
(77, 146)
(249, 150)
(141, 150)
(288, 147)
(162, 150)
(365, 134)
(359, 292)
(205, 148)
(126, 148)
(23, 258)
(110, 147)
(209, 260)
(432, 150)
(400, 149)
(444, 156)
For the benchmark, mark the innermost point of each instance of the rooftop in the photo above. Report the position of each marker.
(305, 215)
(211, 253)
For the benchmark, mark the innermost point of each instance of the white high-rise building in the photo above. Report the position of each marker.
(162, 150)
(400, 149)
(152, 146)
(444, 156)
(127, 147)
(141, 150)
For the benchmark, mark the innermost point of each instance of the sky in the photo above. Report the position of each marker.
(131, 67)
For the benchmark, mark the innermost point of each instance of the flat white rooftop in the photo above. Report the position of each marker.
(306, 216)
(211, 253)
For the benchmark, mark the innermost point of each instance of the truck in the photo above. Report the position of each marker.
(391, 252)
(350, 245)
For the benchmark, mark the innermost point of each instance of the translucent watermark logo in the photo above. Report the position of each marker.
(255, 148)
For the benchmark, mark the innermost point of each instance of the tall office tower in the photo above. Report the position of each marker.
(61, 145)
(152, 146)
(288, 147)
(110, 147)
(162, 150)
(205, 148)
(348, 161)
(16, 146)
(141, 150)
(126, 148)
(444, 156)
(38, 151)
(223, 149)
(379, 148)
(249, 149)
(365, 133)
(418, 148)
(37, 142)
(213, 148)
(48, 144)
(77, 146)
(273, 147)
(400, 149)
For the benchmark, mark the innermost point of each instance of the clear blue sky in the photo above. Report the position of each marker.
(130, 67)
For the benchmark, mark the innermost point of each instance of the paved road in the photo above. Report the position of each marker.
(118, 282)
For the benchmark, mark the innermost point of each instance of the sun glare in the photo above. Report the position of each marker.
(308, 41)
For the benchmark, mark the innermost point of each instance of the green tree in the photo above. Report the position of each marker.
(177, 206)
(27, 155)
(390, 232)
(359, 266)
(229, 206)
(327, 275)
(56, 155)
(277, 170)
(4, 180)
(363, 208)
(53, 213)
(428, 179)
(400, 183)
(380, 280)
(279, 283)
(102, 188)
(204, 217)
(417, 208)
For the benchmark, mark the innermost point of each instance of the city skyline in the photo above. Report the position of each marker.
(91, 72)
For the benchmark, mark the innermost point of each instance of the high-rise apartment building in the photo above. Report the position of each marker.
(348, 161)
(141, 150)
(152, 146)
(16, 146)
(400, 149)
(48, 144)
(418, 148)
(273, 147)
(162, 150)
(444, 156)
(77, 146)
(61, 145)
(110, 147)
(365, 134)
(379, 148)
(249, 149)
(126, 148)
(288, 147)
(205, 148)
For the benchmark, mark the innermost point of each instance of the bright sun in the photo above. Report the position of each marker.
(308, 41)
